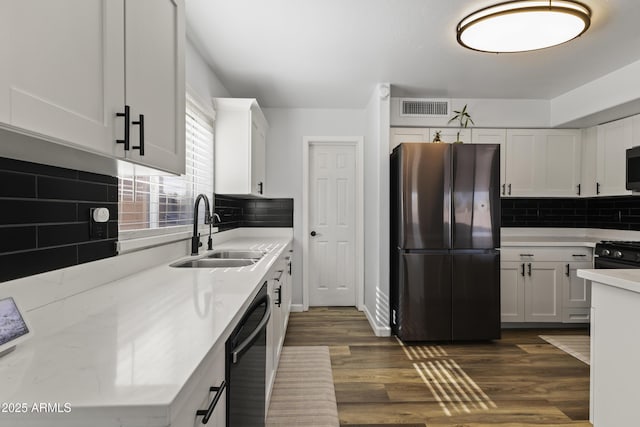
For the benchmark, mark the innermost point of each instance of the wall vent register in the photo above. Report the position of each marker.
(425, 107)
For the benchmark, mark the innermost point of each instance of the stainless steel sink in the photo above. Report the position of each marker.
(236, 254)
(213, 263)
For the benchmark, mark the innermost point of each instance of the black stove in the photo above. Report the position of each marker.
(617, 254)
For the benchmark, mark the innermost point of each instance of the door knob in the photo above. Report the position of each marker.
(313, 234)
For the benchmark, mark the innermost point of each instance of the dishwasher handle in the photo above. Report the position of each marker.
(239, 350)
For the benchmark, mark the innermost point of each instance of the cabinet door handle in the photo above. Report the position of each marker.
(289, 268)
(127, 124)
(522, 266)
(529, 269)
(279, 292)
(566, 273)
(509, 189)
(260, 185)
(581, 255)
(578, 189)
(597, 188)
(503, 189)
(526, 254)
(140, 122)
(206, 413)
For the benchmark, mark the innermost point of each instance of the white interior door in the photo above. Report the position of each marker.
(332, 214)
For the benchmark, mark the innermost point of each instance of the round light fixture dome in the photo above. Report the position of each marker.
(519, 26)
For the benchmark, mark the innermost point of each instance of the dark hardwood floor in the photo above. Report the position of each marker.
(517, 381)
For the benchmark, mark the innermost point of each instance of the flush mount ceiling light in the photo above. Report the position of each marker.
(519, 26)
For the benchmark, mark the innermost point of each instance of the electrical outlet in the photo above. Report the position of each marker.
(98, 220)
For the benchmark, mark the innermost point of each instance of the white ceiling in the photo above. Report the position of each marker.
(331, 53)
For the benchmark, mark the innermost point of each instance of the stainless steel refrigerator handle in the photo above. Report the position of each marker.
(240, 349)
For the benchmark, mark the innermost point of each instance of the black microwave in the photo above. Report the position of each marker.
(633, 168)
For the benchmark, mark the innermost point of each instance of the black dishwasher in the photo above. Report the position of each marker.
(245, 365)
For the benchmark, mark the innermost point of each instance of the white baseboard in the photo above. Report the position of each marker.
(297, 308)
(378, 330)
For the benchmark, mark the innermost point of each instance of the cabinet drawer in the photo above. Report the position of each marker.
(529, 254)
(210, 374)
(576, 315)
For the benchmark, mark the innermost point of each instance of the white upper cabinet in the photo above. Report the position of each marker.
(68, 70)
(240, 147)
(613, 139)
(589, 161)
(155, 81)
(62, 73)
(563, 159)
(543, 162)
(494, 136)
(400, 135)
(449, 135)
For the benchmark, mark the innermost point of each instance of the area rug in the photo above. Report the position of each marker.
(303, 393)
(576, 345)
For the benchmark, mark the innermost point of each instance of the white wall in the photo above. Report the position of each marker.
(500, 113)
(603, 99)
(376, 207)
(287, 127)
(201, 80)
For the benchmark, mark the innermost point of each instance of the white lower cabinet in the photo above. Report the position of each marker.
(202, 397)
(540, 285)
(530, 292)
(542, 293)
(512, 291)
(576, 293)
(280, 292)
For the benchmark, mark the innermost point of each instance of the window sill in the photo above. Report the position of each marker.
(136, 240)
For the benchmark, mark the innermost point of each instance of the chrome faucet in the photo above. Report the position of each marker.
(195, 240)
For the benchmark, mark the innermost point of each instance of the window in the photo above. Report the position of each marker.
(156, 202)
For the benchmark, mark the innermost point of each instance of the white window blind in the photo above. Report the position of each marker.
(155, 202)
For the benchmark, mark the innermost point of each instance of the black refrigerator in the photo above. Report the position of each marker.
(445, 239)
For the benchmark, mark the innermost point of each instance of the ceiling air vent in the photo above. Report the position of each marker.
(424, 107)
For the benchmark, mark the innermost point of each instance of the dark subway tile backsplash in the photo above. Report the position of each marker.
(620, 212)
(44, 217)
(15, 211)
(21, 264)
(17, 185)
(68, 189)
(237, 212)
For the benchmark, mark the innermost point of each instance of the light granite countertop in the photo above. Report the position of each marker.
(626, 279)
(126, 349)
(574, 237)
